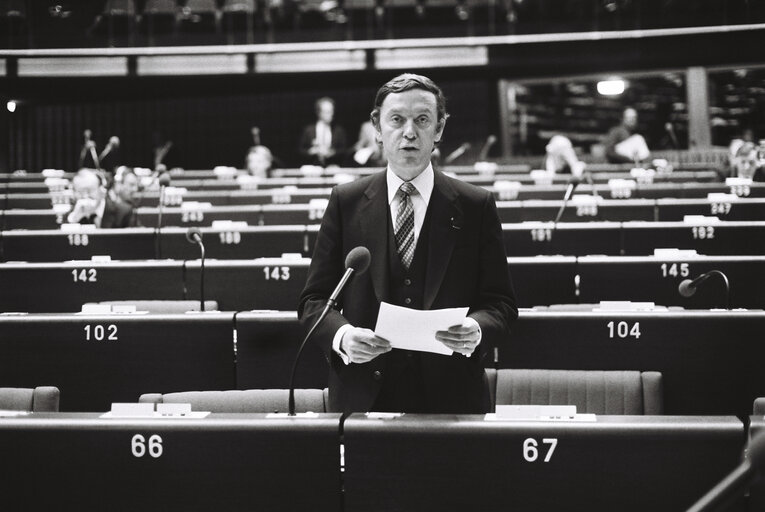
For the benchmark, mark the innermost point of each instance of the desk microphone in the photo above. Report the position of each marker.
(687, 288)
(454, 155)
(194, 236)
(357, 261)
(573, 182)
(164, 181)
(484, 153)
(737, 481)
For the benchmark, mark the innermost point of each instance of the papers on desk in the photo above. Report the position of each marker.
(538, 413)
(413, 329)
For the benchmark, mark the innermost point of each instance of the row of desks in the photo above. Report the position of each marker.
(44, 200)
(639, 238)
(276, 283)
(711, 361)
(586, 210)
(242, 462)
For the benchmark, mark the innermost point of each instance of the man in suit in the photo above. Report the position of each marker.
(94, 206)
(435, 242)
(323, 142)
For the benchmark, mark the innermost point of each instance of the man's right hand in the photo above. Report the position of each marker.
(82, 208)
(362, 345)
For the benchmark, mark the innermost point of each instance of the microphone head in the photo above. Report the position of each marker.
(193, 235)
(164, 179)
(358, 259)
(686, 288)
(756, 452)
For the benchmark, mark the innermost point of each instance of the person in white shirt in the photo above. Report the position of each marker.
(93, 205)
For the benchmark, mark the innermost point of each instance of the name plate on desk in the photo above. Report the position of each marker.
(538, 412)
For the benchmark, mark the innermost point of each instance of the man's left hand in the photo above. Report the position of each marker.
(463, 338)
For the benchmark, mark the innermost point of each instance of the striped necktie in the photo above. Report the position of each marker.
(405, 224)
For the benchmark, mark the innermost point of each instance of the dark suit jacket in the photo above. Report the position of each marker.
(339, 144)
(467, 266)
(117, 215)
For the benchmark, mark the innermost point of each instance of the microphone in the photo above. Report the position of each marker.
(687, 287)
(490, 141)
(114, 142)
(357, 261)
(454, 155)
(671, 132)
(573, 182)
(164, 181)
(737, 481)
(194, 236)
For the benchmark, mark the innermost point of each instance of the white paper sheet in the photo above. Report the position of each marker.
(412, 329)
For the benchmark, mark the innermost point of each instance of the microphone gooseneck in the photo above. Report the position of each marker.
(573, 182)
(687, 287)
(357, 262)
(736, 482)
(164, 181)
(194, 236)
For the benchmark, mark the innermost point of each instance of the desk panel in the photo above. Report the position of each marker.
(757, 489)
(64, 287)
(140, 243)
(97, 360)
(607, 210)
(711, 361)
(242, 285)
(223, 462)
(738, 209)
(713, 238)
(655, 279)
(267, 343)
(627, 463)
(569, 238)
(543, 280)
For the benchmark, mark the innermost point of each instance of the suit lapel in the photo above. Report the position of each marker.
(445, 222)
(374, 225)
(109, 214)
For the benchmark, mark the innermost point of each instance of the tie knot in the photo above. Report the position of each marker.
(407, 189)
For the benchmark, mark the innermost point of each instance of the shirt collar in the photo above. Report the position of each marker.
(423, 183)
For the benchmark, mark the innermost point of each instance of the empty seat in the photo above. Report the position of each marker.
(591, 391)
(39, 399)
(758, 408)
(244, 401)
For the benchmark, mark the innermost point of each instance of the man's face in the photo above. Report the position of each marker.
(87, 187)
(128, 188)
(326, 111)
(630, 118)
(409, 129)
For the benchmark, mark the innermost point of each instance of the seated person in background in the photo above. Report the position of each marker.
(744, 161)
(367, 151)
(623, 143)
(560, 157)
(323, 143)
(126, 186)
(259, 161)
(93, 205)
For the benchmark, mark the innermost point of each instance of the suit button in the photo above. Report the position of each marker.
(408, 282)
(407, 301)
(377, 375)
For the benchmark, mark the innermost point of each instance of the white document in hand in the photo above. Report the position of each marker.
(412, 329)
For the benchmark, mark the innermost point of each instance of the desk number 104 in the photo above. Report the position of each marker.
(623, 330)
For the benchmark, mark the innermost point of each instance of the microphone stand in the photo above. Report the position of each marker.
(194, 236)
(291, 402)
(158, 229)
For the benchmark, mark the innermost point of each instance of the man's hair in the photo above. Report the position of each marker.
(406, 82)
(85, 172)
